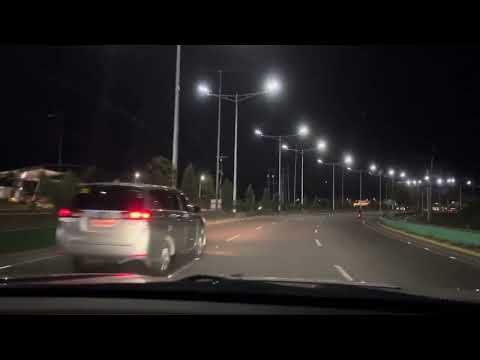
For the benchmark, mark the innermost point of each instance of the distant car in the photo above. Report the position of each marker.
(122, 222)
(452, 210)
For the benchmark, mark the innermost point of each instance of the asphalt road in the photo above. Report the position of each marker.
(333, 248)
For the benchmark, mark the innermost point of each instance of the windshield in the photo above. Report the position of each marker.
(350, 164)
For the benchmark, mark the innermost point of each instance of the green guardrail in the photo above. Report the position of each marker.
(454, 236)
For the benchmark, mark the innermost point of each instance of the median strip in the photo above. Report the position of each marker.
(434, 242)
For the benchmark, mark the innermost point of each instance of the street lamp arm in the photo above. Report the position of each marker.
(243, 97)
(223, 97)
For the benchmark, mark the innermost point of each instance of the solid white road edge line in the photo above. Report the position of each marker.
(343, 272)
(233, 237)
(29, 261)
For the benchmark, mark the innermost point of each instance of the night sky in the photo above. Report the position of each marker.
(394, 105)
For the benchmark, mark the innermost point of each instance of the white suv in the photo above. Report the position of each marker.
(121, 222)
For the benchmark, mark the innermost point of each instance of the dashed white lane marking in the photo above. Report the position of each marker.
(258, 227)
(343, 272)
(409, 242)
(274, 222)
(233, 237)
(216, 247)
(315, 231)
(29, 261)
(452, 257)
(319, 244)
(425, 248)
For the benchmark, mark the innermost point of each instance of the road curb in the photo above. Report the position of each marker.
(431, 241)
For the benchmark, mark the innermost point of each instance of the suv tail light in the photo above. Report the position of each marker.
(67, 213)
(138, 215)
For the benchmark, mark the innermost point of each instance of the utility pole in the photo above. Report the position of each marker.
(380, 192)
(343, 170)
(217, 180)
(295, 179)
(288, 185)
(175, 121)
(360, 186)
(429, 193)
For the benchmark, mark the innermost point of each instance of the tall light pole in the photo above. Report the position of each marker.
(373, 170)
(295, 180)
(302, 131)
(202, 179)
(217, 174)
(176, 121)
(321, 146)
(348, 160)
(391, 173)
(332, 164)
(272, 86)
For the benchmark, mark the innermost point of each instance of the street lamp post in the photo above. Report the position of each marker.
(176, 121)
(373, 169)
(302, 131)
(202, 179)
(332, 164)
(295, 180)
(217, 173)
(272, 86)
(348, 160)
(321, 146)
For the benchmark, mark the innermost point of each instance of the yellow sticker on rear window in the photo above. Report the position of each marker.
(85, 190)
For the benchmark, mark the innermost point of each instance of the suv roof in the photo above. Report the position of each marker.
(140, 186)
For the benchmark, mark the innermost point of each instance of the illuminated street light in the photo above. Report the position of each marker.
(284, 146)
(426, 178)
(202, 179)
(203, 89)
(272, 85)
(373, 168)
(303, 130)
(321, 145)
(320, 161)
(414, 182)
(419, 182)
(402, 174)
(469, 182)
(439, 181)
(258, 132)
(348, 159)
(391, 172)
(137, 176)
(408, 182)
(349, 168)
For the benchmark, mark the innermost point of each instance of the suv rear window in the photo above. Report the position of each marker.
(100, 197)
